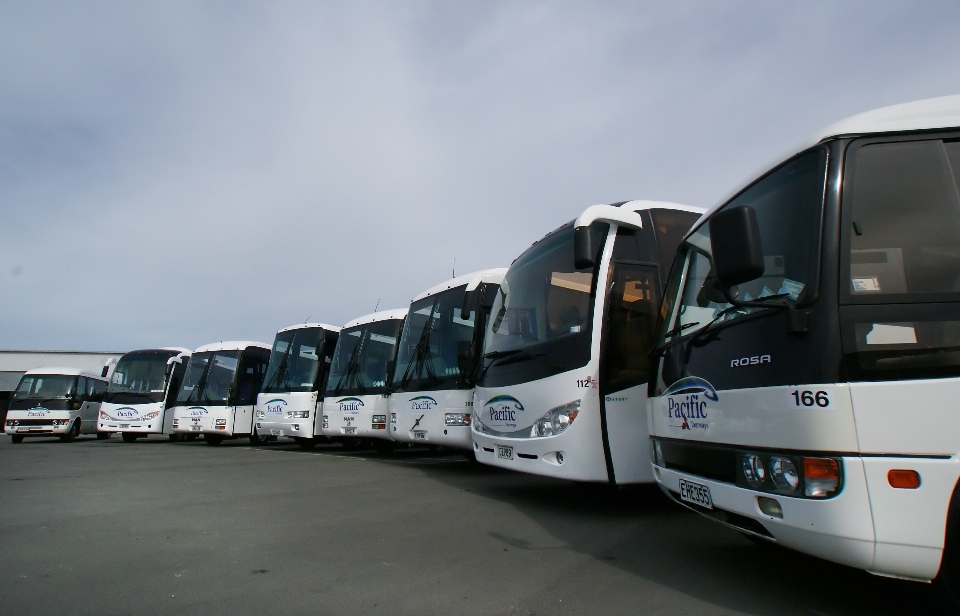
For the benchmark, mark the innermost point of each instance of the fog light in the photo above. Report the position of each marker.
(559, 457)
(393, 418)
(296, 426)
(753, 470)
(657, 453)
(770, 507)
(821, 477)
(784, 474)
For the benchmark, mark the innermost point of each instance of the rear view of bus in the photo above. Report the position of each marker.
(431, 399)
(142, 392)
(562, 388)
(810, 353)
(60, 402)
(219, 390)
(356, 402)
(293, 388)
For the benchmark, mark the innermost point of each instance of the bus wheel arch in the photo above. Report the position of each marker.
(949, 575)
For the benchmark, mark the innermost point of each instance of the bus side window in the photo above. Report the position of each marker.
(81, 395)
(631, 319)
(101, 390)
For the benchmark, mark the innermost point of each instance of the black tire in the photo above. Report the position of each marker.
(382, 446)
(470, 455)
(72, 434)
(175, 438)
(352, 443)
(949, 576)
(130, 437)
(102, 436)
(16, 438)
(305, 443)
(256, 439)
(213, 439)
(190, 437)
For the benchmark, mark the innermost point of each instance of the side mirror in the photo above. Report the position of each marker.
(468, 297)
(583, 248)
(737, 250)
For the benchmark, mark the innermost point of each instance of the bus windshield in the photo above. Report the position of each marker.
(45, 386)
(140, 377)
(541, 320)
(360, 362)
(208, 378)
(294, 361)
(436, 347)
(789, 205)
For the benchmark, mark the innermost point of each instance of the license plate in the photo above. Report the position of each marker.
(505, 452)
(696, 494)
(26, 429)
(420, 435)
(350, 430)
(276, 432)
(124, 425)
(195, 428)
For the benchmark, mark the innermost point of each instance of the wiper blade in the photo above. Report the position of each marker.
(517, 357)
(680, 328)
(499, 354)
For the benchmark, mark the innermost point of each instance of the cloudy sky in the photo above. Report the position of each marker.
(176, 173)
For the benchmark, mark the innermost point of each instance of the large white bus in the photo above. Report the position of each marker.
(431, 390)
(142, 392)
(562, 388)
(219, 391)
(293, 388)
(811, 350)
(356, 402)
(60, 402)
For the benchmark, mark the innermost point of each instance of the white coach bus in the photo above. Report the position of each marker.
(562, 388)
(142, 392)
(431, 391)
(60, 402)
(811, 350)
(292, 391)
(356, 402)
(220, 389)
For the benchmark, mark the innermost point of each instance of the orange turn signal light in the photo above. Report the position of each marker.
(904, 479)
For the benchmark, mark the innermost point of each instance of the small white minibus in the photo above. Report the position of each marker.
(60, 402)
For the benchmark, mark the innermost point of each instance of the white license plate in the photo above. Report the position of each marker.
(276, 432)
(350, 430)
(505, 452)
(195, 428)
(420, 435)
(124, 425)
(26, 429)
(696, 494)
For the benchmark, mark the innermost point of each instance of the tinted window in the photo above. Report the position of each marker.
(360, 361)
(631, 317)
(46, 386)
(670, 226)
(904, 214)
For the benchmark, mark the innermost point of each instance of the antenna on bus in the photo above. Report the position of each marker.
(377, 306)
(454, 271)
(307, 319)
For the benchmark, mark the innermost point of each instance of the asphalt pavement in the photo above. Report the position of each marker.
(153, 527)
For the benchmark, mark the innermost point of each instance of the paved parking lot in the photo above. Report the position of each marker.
(106, 527)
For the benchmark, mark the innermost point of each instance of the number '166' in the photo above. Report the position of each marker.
(809, 398)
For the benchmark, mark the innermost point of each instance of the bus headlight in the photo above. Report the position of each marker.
(783, 472)
(821, 477)
(221, 422)
(456, 419)
(298, 414)
(790, 475)
(556, 420)
(150, 415)
(261, 414)
(753, 470)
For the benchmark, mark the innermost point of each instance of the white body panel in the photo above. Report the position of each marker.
(150, 418)
(274, 414)
(234, 420)
(356, 416)
(419, 417)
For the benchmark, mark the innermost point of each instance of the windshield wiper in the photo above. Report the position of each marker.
(499, 354)
(420, 354)
(201, 382)
(351, 366)
(281, 372)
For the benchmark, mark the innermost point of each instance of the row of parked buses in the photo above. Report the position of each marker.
(786, 364)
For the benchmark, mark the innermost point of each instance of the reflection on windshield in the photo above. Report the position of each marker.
(360, 361)
(208, 378)
(788, 203)
(294, 361)
(437, 346)
(45, 386)
(542, 316)
(139, 377)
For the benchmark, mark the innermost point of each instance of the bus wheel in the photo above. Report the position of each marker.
(72, 434)
(256, 439)
(174, 438)
(102, 436)
(352, 443)
(129, 437)
(949, 576)
(305, 443)
(192, 437)
(213, 439)
(16, 438)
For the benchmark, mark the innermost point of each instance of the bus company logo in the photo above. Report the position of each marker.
(502, 410)
(126, 412)
(197, 411)
(350, 404)
(422, 403)
(688, 400)
(276, 406)
(38, 411)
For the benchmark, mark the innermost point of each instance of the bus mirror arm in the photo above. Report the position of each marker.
(583, 249)
(468, 297)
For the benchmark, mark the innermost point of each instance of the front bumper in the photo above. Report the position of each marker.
(430, 430)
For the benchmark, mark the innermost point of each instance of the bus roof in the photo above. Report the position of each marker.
(232, 345)
(494, 275)
(58, 370)
(926, 114)
(397, 314)
(642, 204)
(177, 349)
(332, 328)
